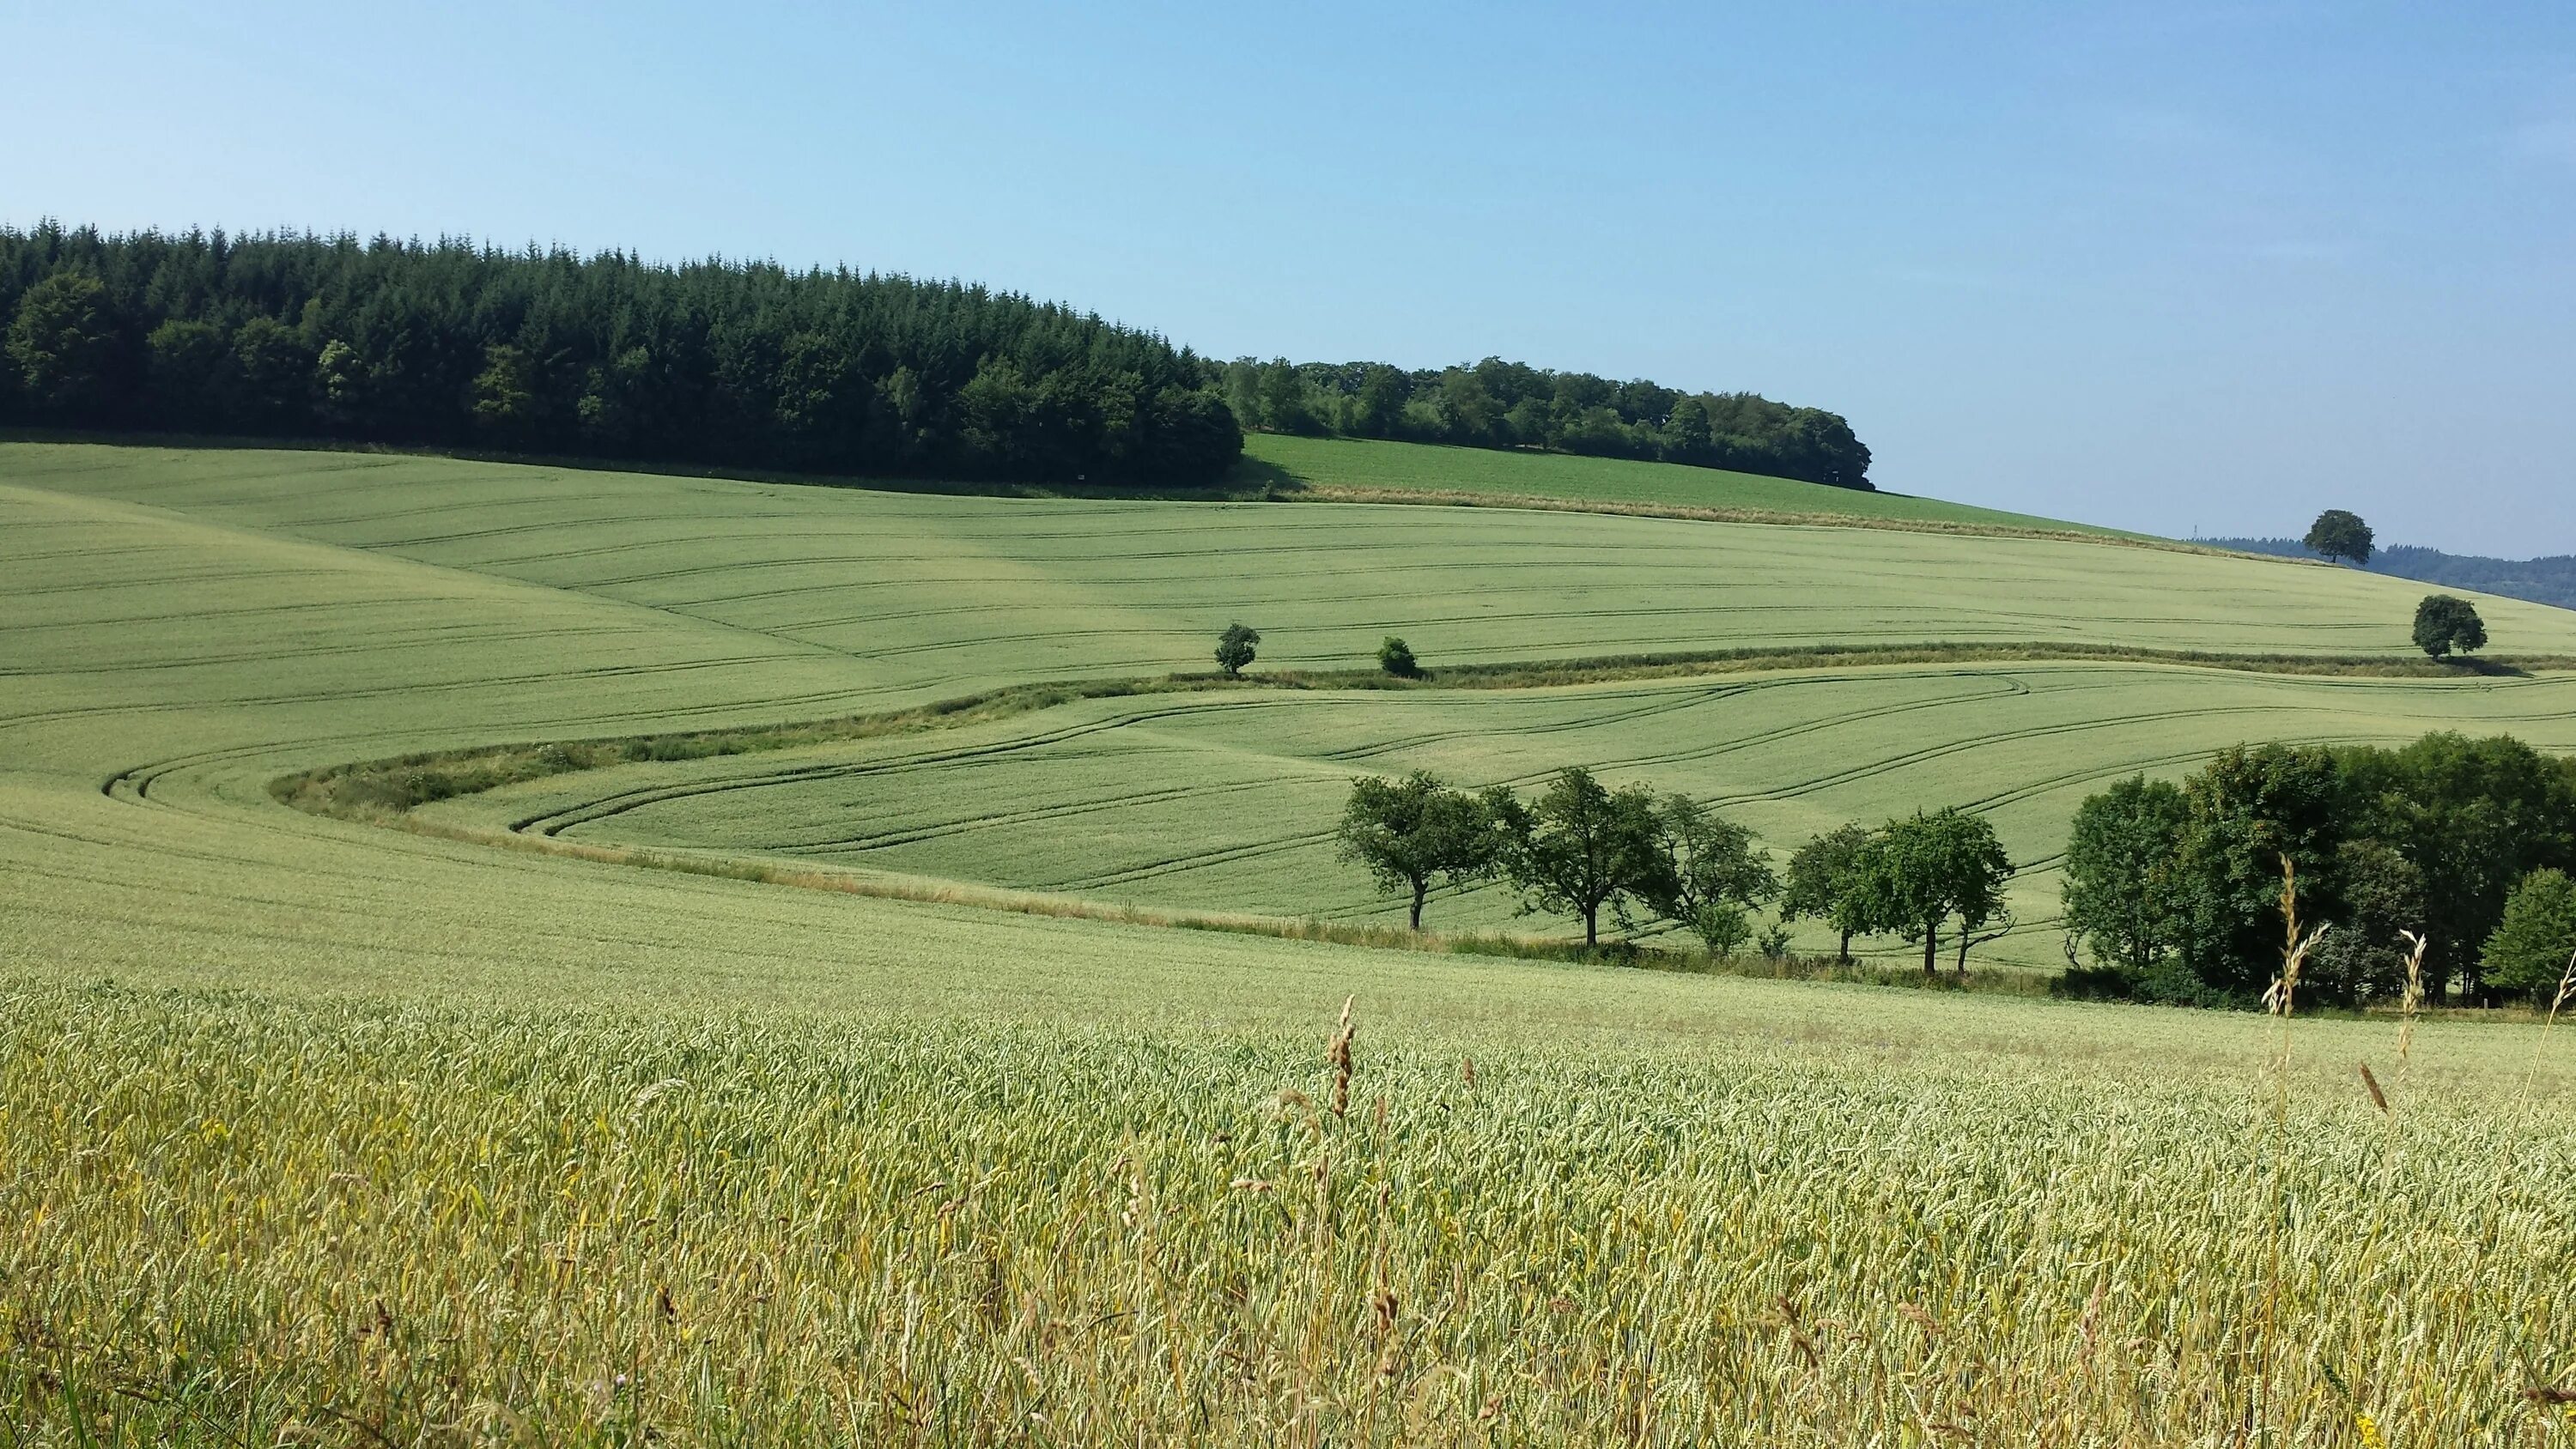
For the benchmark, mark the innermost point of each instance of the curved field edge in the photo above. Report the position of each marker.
(388, 791)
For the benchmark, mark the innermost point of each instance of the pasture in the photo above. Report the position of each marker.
(311, 1128)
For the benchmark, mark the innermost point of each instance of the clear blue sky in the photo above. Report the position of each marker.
(2164, 265)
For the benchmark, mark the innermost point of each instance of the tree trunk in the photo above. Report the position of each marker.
(1419, 889)
(1963, 953)
(1843, 955)
(1591, 927)
(1931, 948)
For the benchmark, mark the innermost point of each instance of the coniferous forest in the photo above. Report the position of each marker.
(727, 363)
(749, 364)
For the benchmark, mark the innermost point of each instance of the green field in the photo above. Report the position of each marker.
(1366, 465)
(800, 1163)
(1226, 802)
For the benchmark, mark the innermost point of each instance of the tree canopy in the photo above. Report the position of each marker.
(1712, 875)
(719, 362)
(1498, 404)
(1823, 884)
(1582, 847)
(2533, 943)
(1915, 874)
(2185, 904)
(2340, 534)
(2118, 856)
(2444, 622)
(1412, 832)
(1234, 647)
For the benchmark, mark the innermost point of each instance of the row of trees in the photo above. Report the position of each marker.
(729, 363)
(1581, 849)
(2175, 890)
(1498, 404)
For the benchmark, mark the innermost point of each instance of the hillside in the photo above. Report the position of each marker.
(1361, 469)
(2550, 580)
(396, 1120)
(208, 621)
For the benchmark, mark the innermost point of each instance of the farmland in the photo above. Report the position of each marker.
(1360, 467)
(583, 1148)
(1226, 801)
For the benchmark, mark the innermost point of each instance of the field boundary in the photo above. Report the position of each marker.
(1694, 513)
(1252, 483)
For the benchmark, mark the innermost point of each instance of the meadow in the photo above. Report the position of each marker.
(315, 1129)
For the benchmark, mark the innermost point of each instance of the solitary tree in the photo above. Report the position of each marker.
(1581, 847)
(2119, 887)
(1396, 658)
(1916, 874)
(1712, 874)
(1408, 833)
(1822, 884)
(1234, 648)
(2338, 534)
(2444, 623)
(2530, 950)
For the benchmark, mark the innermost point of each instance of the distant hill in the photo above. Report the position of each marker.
(2550, 580)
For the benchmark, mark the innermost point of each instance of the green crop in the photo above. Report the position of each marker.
(313, 1129)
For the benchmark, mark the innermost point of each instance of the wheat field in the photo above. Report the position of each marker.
(317, 1131)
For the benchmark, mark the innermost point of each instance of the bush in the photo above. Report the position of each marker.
(1396, 658)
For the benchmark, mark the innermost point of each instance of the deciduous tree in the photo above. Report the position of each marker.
(65, 342)
(2532, 945)
(1581, 848)
(1915, 874)
(2119, 888)
(1823, 885)
(1711, 876)
(2339, 534)
(1234, 648)
(2444, 622)
(1409, 833)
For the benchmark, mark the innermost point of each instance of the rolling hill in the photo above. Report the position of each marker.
(808, 1162)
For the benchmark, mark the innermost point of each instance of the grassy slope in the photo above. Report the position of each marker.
(199, 623)
(1368, 464)
(181, 628)
(1225, 802)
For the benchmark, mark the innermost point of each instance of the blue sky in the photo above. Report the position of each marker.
(2164, 265)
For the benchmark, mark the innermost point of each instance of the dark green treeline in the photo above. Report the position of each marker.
(727, 363)
(1498, 404)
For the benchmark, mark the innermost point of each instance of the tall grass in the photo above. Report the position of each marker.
(228, 1219)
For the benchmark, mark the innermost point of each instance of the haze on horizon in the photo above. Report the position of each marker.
(2197, 268)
